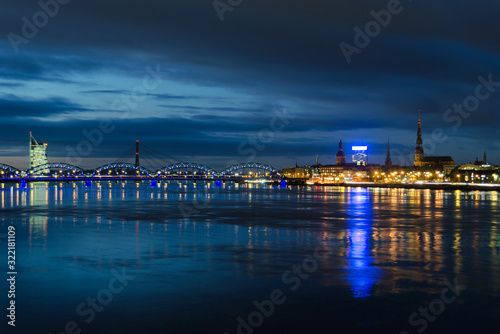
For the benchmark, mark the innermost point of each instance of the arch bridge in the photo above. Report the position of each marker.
(248, 170)
(8, 170)
(187, 169)
(122, 169)
(56, 168)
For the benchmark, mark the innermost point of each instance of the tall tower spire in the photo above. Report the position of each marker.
(419, 131)
(137, 153)
(419, 150)
(388, 161)
(340, 158)
(484, 158)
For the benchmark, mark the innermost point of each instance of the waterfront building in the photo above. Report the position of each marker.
(316, 170)
(484, 162)
(421, 160)
(38, 153)
(336, 173)
(297, 172)
(474, 173)
(448, 169)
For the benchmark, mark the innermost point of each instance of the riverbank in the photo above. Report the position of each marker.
(302, 182)
(424, 185)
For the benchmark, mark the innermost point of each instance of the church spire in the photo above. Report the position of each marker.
(388, 161)
(419, 150)
(340, 158)
(419, 132)
(484, 158)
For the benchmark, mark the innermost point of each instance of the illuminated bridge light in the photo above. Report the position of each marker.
(123, 166)
(6, 168)
(183, 166)
(38, 170)
(124, 170)
(238, 167)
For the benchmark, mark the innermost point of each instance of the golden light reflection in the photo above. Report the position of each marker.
(408, 235)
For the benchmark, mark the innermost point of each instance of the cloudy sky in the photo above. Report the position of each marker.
(268, 83)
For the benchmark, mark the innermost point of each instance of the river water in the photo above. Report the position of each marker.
(180, 257)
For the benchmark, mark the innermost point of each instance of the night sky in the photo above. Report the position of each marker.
(219, 84)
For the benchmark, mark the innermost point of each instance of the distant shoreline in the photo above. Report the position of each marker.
(424, 185)
(432, 186)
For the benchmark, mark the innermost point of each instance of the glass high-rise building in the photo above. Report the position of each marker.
(38, 153)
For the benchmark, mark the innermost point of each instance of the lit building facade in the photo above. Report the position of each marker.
(297, 172)
(360, 157)
(335, 173)
(478, 172)
(38, 153)
(473, 173)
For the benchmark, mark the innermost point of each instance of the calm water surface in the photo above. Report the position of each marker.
(200, 255)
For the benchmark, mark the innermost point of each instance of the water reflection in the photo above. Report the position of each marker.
(383, 240)
(361, 274)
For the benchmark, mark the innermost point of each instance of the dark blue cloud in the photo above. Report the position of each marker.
(223, 79)
(14, 107)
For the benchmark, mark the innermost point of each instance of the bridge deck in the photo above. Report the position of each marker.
(74, 179)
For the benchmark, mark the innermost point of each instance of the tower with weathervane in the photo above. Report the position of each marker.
(340, 157)
(419, 149)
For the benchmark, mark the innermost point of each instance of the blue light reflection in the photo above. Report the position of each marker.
(360, 273)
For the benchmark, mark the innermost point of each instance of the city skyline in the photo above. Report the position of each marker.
(237, 166)
(176, 76)
(80, 160)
